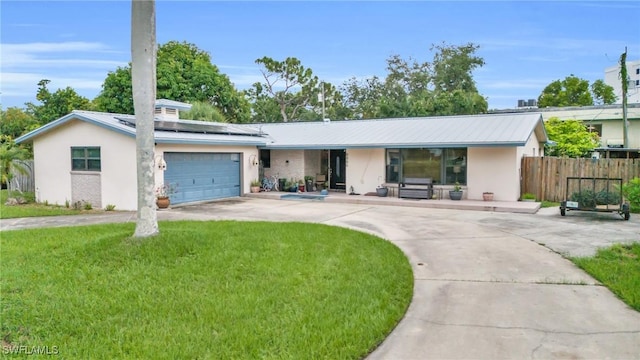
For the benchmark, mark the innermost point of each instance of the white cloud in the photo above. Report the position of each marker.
(80, 65)
(42, 47)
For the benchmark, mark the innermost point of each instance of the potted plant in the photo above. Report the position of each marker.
(487, 196)
(528, 197)
(255, 186)
(309, 183)
(293, 186)
(324, 190)
(301, 185)
(162, 195)
(456, 193)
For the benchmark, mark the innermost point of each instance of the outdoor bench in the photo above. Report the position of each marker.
(416, 188)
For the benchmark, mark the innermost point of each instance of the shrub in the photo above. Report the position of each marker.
(631, 192)
(87, 206)
(109, 207)
(528, 196)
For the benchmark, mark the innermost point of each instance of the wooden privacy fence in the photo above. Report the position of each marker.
(23, 181)
(546, 177)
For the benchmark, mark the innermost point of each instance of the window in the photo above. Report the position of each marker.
(393, 166)
(85, 158)
(422, 163)
(444, 166)
(597, 128)
(638, 71)
(265, 158)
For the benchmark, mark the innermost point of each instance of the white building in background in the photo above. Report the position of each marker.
(611, 78)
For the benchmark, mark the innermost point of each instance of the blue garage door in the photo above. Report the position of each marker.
(202, 176)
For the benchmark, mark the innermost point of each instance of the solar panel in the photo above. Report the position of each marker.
(198, 127)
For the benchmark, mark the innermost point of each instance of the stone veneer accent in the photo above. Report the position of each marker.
(87, 187)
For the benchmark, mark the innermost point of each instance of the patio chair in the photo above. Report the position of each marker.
(321, 179)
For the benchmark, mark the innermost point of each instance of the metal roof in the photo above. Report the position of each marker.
(122, 124)
(172, 104)
(513, 129)
(442, 131)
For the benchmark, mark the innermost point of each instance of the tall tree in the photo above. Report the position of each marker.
(574, 91)
(143, 75)
(603, 94)
(288, 83)
(571, 138)
(453, 67)
(184, 73)
(57, 104)
(444, 86)
(15, 122)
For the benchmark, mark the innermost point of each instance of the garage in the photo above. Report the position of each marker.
(202, 176)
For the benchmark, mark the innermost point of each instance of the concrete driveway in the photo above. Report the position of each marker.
(484, 287)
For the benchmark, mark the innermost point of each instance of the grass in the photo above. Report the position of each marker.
(548, 204)
(618, 268)
(207, 290)
(31, 208)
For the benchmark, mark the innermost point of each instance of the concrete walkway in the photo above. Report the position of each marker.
(484, 286)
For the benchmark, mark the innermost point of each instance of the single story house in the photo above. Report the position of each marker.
(90, 156)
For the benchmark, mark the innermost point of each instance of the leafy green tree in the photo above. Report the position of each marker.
(453, 67)
(15, 121)
(184, 73)
(362, 97)
(296, 92)
(572, 138)
(444, 86)
(10, 156)
(116, 95)
(204, 112)
(57, 104)
(602, 93)
(574, 91)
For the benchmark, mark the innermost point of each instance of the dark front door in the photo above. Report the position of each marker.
(338, 163)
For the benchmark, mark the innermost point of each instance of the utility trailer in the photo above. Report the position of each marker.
(594, 194)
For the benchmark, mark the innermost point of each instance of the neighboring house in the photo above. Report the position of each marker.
(612, 78)
(605, 120)
(90, 156)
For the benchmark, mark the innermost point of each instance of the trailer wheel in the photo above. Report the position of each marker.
(562, 211)
(626, 211)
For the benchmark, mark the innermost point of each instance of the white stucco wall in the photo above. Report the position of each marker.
(365, 169)
(117, 178)
(248, 171)
(493, 169)
(52, 155)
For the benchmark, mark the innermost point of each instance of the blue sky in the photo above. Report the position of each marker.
(525, 44)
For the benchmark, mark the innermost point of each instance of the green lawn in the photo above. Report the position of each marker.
(618, 268)
(206, 290)
(31, 208)
(547, 204)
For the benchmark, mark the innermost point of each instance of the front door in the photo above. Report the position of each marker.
(338, 164)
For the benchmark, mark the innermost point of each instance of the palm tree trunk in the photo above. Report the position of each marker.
(143, 74)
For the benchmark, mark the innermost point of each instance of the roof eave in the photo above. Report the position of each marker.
(65, 119)
(393, 146)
